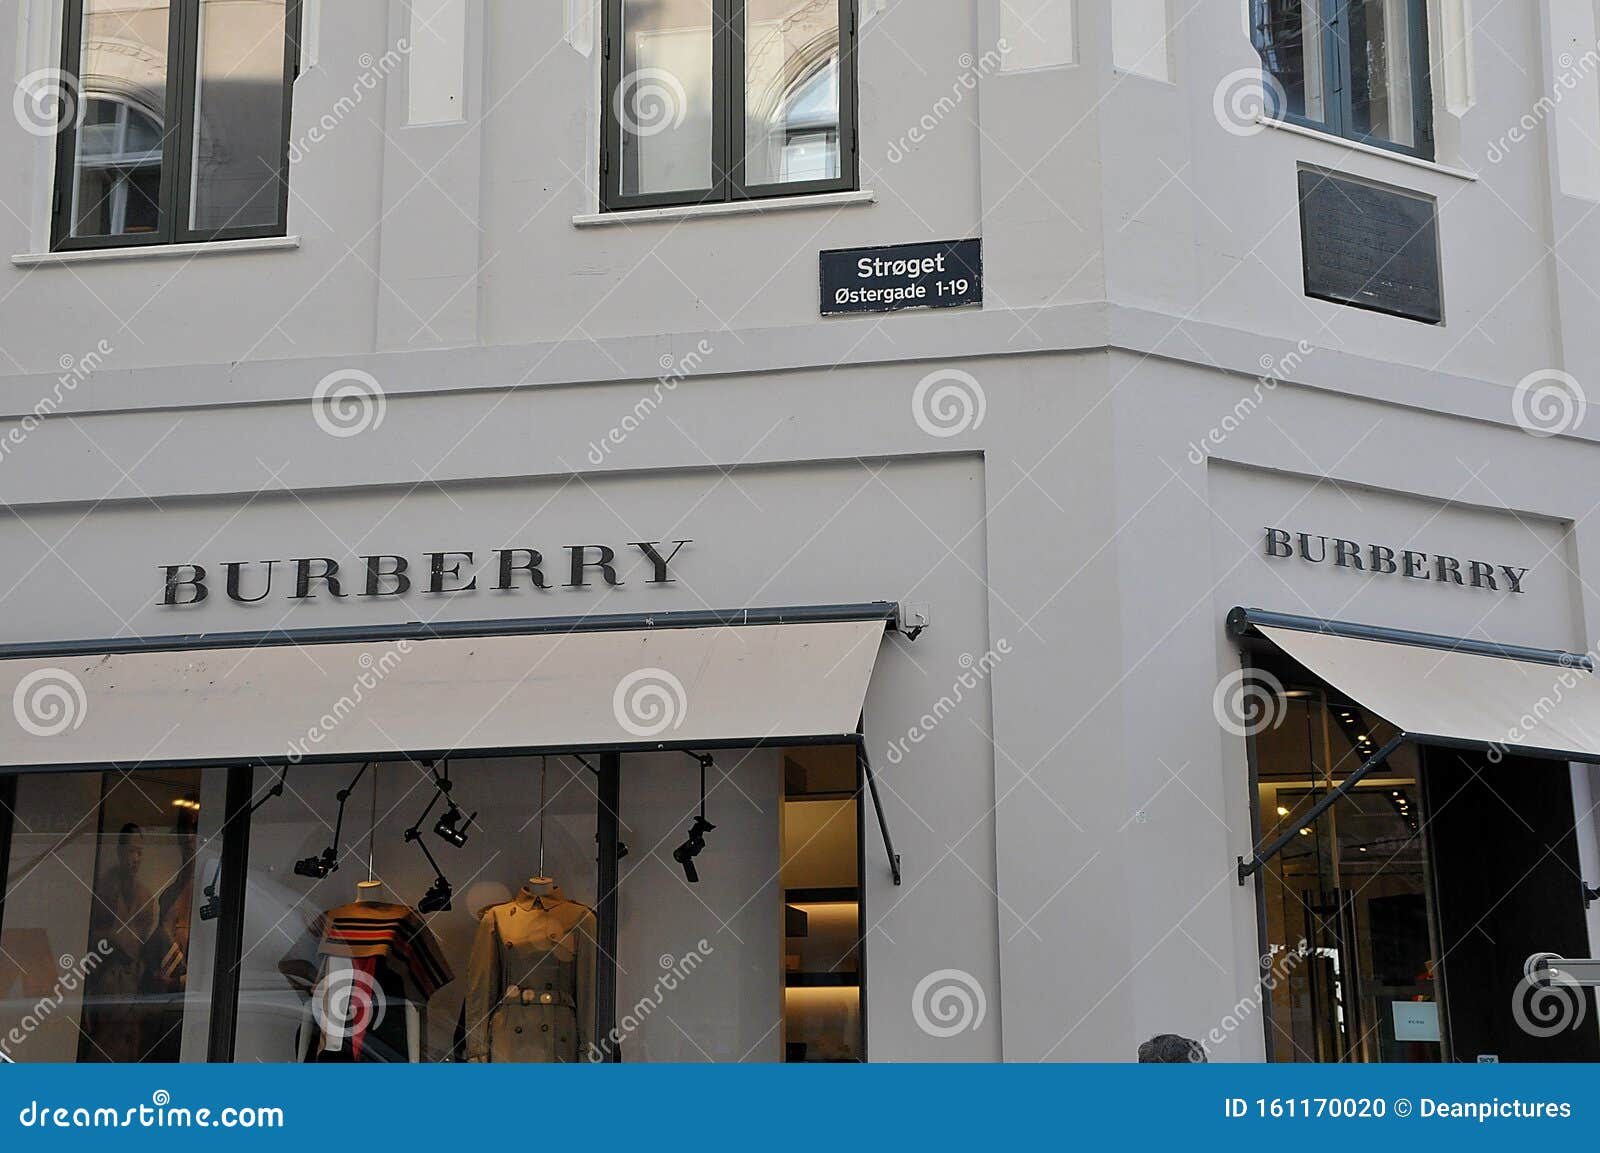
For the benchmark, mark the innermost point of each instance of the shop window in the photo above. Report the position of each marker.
(179, 126)
(1355, 68)
(1397, 922)
(734, 930)
(716, 100)
(105, 939)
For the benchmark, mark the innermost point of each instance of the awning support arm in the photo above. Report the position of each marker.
(883, 822)
(1258, 861)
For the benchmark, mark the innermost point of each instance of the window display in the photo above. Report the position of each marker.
(420, 911)
(100, 922)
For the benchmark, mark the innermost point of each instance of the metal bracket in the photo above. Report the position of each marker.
(883, 823)
(1259, 859)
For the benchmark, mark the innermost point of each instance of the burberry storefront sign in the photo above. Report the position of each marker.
(436, 573)
(1384, 560)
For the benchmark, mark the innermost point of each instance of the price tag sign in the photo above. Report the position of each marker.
(941, 274)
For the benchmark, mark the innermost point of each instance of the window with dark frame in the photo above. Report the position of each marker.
(179, 131)
(710, 101)
(1354, 68)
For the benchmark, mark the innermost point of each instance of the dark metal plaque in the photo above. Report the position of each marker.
(1371, 247)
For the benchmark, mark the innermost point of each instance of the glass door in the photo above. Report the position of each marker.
(1350, 921)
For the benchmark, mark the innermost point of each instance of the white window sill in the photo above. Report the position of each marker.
(727, 208)
(1367, 149)
(155, 251)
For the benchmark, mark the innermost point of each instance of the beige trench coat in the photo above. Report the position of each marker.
(530, 982)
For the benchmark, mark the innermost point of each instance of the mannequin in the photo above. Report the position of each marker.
(530, 982)
(372, 954)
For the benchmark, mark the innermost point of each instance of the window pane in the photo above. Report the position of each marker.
(103, 915)
(1381, 70)
(663, 101)
(1289, 35)
(755, 955)
(239, 130)
(337, 971)
(123, 76)
(791, 91)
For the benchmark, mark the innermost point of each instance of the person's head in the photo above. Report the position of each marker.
(1171, 1049)
(130, 847)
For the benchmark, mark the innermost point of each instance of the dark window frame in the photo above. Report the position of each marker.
(177, 139)
(1337, 81)
(728, 159)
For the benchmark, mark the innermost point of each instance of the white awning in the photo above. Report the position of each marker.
(339, 701)
(1520, 705)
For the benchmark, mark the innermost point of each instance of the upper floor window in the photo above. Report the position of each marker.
(180, 131)
(713, 100)
(1355, 68)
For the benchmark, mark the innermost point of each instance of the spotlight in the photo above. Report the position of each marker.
(691, 848)
(437, 898)
(685, 853)
(453, 825)
(318, 867)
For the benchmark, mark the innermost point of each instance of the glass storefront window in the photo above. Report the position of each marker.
(358, 963)
(1348, 906)
(105, 936)
(757, 959)
(415, 911)
(1398, 921)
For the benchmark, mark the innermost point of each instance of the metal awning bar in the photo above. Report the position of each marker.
(877, 805)
(1258, 861)
(1243, 622)
(886, 611)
